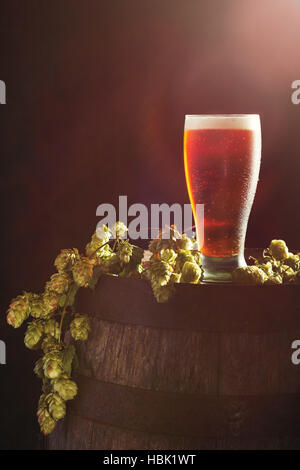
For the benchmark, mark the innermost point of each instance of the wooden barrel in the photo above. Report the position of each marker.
(211, 369)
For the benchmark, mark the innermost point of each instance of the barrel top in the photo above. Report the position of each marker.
(205, 307)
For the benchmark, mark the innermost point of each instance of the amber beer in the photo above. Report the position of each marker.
(222, 159)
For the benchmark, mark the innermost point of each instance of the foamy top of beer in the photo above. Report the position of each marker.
(222, 121)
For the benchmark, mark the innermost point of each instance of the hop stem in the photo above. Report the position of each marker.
(64, 311)
(99, 248)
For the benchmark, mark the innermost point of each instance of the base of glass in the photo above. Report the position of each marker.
(219, 269)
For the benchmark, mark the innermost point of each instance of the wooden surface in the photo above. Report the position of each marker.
(209, 370)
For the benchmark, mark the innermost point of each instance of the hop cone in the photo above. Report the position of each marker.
(197, 257)
(287, 273)
(83, 271)
(169, 256)
(136, 257)
(99, 238)
(102, 257)
(161, 271)
(278, 249)
(66, 388)
(275, 279)
(184, 243)
(169, 238)
(46, 422)
(249, 275)
(33, 334)
(56, 406)
(191, 273)
(42, 407)
(18, 310)
(50, 302)
(297, 278)
(38, 368)
(58, 283)
(51, 328)
(293, 261)
(37, 307)
(124, 252)
(183, 257)
(103, 233)
(42, 404)
(65, 260)
(80, 327)
(162, 293)
(119, 230)
(267, 268)
(53, 365)
(175, 278)
(49, 344)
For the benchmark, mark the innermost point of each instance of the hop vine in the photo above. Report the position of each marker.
(51, 314)
(277, 265)
(171, 259)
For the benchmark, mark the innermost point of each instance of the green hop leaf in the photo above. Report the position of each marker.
(68, 356)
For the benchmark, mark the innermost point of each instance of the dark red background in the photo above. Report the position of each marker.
(96, 97)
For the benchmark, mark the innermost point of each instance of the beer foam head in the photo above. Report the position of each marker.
(222, 121)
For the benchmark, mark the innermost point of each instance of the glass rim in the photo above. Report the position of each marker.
(221, 115)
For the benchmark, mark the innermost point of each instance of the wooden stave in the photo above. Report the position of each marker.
(191, 416)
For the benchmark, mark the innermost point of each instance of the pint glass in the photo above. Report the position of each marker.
(222, 159)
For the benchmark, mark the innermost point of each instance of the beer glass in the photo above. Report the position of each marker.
(222, 156)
